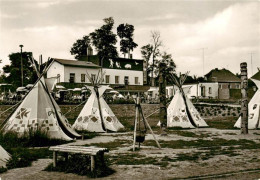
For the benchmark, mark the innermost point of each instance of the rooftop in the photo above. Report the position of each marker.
(221, 75)
(75, 63)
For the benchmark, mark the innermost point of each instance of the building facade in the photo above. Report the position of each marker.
(229, 84)
(119, 72)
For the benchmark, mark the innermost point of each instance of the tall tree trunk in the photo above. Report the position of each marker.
(162, 96)
(244, 104)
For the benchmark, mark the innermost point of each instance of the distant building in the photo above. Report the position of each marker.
(229, 84)
(125, 75)
(71, 71)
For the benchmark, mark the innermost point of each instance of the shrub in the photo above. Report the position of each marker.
(80, 164)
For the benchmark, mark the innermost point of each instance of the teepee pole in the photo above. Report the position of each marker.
(136, 116)
(100, 110)
(147, 124)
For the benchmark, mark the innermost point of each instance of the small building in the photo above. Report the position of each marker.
(71, 71)
(229, 84)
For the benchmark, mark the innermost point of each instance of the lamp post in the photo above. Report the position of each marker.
(21, 46)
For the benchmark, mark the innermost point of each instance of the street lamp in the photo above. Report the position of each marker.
(21, 46)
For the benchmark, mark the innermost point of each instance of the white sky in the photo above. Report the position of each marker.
(229, 30)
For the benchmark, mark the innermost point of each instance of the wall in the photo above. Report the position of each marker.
(78, 71)
(122, 73)
(55, 69)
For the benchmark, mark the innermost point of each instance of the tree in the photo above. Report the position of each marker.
(14, 69)
(104, 40)
(125, 33)
(79, 48)
(152, 51)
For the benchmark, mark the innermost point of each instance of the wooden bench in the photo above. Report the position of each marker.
(91, 151)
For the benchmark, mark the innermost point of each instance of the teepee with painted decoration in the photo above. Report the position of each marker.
(181, 112)
(4, 157)
(39, 111)
(96, 115)
(253, 106)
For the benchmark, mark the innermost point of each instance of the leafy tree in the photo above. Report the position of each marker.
(125, 33)
(13, 70)
(79, 48)
(105, 40)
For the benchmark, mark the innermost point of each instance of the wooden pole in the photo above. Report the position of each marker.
(147, 124)
(162, 96)
(244, 103)
(54, 158)
(136, 119)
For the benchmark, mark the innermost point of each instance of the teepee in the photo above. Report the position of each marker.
(39, 111)
(96, 115)
(4, 157)
(253, 107)
(181, 112)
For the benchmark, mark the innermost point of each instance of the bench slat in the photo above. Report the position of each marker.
(78, 149)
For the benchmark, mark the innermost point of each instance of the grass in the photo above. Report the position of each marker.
(222, 122)
(200, 143)
(112, 145)
(137, 159)
(23, 157)
(188, 134)
(18, 146)
(30, 138)
(80, 164)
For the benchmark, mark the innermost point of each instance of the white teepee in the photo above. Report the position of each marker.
(177, 115)
(181, 112)
(39, 110)
(97, 118)
(4, 157)
(254, 110)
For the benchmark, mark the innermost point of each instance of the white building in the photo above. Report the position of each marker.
(118, 71)
(199, 90)
(71, 71)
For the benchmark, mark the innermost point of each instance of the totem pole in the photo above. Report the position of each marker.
(162, 96)
(244, 103)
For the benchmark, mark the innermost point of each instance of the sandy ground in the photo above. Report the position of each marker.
(218, 167)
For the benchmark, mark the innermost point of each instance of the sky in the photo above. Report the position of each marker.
(229, 31)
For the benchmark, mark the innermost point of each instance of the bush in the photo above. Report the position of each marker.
(80, 164)
(23, 157)
(31, 138)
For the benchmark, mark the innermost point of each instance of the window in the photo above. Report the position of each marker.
(58, 78)
(72, 77)
(126, 80)
(83, 77)
(136, 80)
(210, 90)
(116, 79)
(93, 76)
(237, 86)
(107, 79)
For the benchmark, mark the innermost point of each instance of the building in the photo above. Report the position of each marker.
(122, 74)
(125, 75)
(71, 71)
(229, 84)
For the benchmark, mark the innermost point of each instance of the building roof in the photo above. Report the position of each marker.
(76, 63)
(221, 75)
(256, 76)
